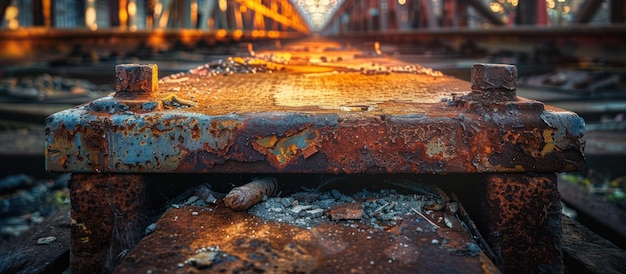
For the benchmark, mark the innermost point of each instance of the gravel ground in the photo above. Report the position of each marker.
(379, 210)
(26, 202)
(379, 205)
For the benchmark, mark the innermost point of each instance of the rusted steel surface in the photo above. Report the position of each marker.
(105, 219)
(317, 112)
(351, 116)
(219, 240)
(523, 216)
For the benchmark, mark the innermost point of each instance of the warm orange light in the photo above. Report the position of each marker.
(158, 8)
(164, 18)
(13, 24)
(223, 5)
(496, 7)
(194, 13)
(10, 13)
(46, 5)
(123, 14)
(132, 12)
(157, 39)
(90, 17)
(401, 2)
(13, 49)
(186, 36)
(237, 34)
(132, 8)
(273, 34)
(220, 33)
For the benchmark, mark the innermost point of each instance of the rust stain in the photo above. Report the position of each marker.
(281, 151)
(223, 135)
(549, 140)
(524, 220)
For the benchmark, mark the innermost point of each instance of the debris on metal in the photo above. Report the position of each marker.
(245, 196)
(285, 234)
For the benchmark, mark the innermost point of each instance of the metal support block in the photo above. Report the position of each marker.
(234, 118)
(106, 219)
(524, 222)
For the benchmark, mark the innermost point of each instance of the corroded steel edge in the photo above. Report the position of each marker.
(465, 137)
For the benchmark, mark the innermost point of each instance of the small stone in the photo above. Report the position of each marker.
(336, 194)
(349, 211)
(435, 241)
(434, 206)
(149, 105)
(202, 260)
(286, 201)
(448, 222)
(452, 207)
(46, 240)
(151, 228)
(297, 209)
(305, 197)
(210, 199)
(315, 213)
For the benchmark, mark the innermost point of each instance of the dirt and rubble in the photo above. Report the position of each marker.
(313, 230)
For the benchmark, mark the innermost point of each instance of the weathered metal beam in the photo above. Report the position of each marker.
(590, 41)
(331, 131)
(294, 21)
(480, 7)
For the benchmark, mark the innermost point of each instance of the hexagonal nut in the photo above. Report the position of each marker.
(136, 80)
(494, 78)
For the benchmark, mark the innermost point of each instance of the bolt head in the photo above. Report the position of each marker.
(494, 78)
(136, 80)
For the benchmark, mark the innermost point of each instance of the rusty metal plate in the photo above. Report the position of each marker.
(215, 239)
(352, 116)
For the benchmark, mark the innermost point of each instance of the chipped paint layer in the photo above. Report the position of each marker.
(446, 140)
(281, 151)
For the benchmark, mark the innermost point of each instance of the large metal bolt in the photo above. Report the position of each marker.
(134, 81)
(496, 81)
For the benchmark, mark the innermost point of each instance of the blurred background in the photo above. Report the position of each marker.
(55, 54)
